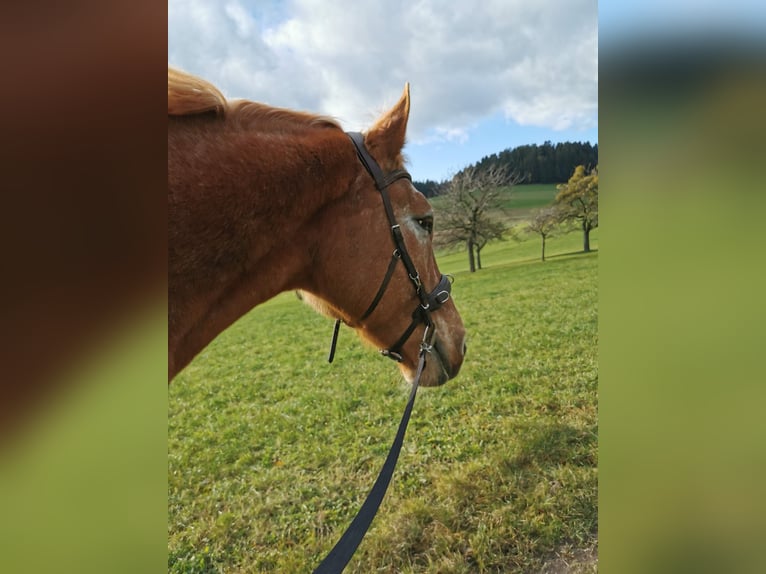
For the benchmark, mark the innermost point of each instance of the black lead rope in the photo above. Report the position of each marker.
(335, 330)
(344, 549)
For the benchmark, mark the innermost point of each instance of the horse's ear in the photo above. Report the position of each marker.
(385, 139)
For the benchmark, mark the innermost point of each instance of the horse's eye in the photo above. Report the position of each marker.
(426, 223)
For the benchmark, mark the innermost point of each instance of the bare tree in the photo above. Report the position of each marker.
(544, 222)
(466, 215)
(489, 230)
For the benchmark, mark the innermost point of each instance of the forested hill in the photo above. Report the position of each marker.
(546, 163)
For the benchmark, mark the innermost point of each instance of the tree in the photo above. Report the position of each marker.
(488, 230)
(465, 213)
(544, 223)
(577, 201)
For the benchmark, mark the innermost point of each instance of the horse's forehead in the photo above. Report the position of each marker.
(407, 194)
(404, 197)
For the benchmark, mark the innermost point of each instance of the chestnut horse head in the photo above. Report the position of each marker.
(264, 200)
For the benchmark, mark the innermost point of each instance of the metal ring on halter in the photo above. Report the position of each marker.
(441, 301)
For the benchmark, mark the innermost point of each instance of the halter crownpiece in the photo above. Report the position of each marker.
(429, 302)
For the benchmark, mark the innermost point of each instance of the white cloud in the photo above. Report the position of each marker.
(535, 62)
(242, 19)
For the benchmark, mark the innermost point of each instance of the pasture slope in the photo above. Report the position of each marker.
(517, 202)
(271, 450)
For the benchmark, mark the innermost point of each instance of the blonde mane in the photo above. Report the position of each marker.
(189, 94)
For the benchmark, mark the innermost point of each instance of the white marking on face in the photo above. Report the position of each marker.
(412, 224)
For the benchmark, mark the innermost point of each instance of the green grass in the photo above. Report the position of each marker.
(530, 196)
(271, 450)
(526, 251)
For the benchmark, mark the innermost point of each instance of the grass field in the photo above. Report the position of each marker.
(529, 196)
(271, 450)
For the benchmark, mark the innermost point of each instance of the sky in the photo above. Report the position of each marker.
(484, 76)
(621, 19)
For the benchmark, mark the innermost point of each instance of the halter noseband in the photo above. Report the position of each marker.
(428, 301)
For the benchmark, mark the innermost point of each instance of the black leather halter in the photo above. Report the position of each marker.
(429, 302)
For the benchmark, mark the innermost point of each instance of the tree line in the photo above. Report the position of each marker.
(532, 163)
(545, 163)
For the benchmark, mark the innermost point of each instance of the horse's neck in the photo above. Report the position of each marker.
(237, 231)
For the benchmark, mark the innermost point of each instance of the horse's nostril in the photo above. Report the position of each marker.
(465, 348)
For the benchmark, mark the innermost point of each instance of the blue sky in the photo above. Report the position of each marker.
(621, 19)
(484, 76)
(438, 160)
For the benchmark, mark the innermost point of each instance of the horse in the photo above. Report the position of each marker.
(263, 200)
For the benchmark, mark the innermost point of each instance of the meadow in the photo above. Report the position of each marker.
(271, 450)
(516, 202)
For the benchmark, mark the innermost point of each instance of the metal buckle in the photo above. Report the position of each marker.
(392, 355)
